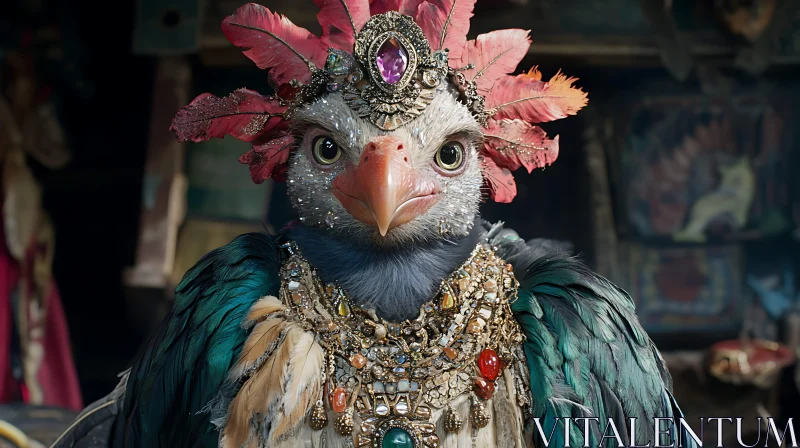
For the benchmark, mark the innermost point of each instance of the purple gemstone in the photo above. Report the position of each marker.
(392, 60)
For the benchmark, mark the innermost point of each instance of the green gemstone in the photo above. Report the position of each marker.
(397, 438)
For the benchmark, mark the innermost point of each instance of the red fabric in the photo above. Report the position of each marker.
(56, 376)
(9, 276)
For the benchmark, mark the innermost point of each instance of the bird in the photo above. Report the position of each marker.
(389, 314)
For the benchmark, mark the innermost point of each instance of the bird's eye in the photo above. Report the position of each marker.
(450, 156)
(326, 151)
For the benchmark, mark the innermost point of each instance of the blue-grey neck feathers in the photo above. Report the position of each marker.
(395, 281)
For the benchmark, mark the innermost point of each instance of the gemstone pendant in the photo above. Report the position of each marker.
(343, 309)
(344, 423)
(448, 301)
(484, 388)
(478, 414)
(401, 408)
(489, 364)
(382, 409)
(339, 400)
(392, 60)
(319, 418)
(423, 412)
(397, 438)
(452, 421)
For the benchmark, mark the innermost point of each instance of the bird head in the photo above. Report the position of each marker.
(417, 183)
(391, 124)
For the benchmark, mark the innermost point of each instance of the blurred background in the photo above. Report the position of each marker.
(677, 182)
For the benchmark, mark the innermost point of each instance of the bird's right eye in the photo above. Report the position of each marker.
(326, 151)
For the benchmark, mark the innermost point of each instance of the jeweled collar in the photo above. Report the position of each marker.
(418, 268)
(391, 376)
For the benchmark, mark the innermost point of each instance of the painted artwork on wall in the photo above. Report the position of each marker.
(687, 289)
(695, 169)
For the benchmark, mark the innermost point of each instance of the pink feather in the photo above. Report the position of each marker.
(445, 24)
(494, 55)
(268, 159)
(528, 98)
(338, 30)
(515, 143)
(381, 6)
(501, 182)
(408, 7)
(244, 115)
(275, 43)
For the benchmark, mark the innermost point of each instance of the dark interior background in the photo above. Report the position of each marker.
(105, 98)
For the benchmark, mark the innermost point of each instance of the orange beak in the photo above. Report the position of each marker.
(383, 190)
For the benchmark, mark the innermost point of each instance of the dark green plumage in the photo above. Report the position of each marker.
(186, 363)
(587, 354)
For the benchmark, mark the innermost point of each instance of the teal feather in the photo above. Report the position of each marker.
(586, 351)
(184, 366)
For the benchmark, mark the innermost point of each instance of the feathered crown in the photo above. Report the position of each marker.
(387, 58)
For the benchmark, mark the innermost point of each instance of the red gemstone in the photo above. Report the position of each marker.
(288, 92)
(339, 401)
(484, 388)
(489, 364)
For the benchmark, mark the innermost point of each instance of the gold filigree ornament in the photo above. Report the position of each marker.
(402, 73)
(452, 421)
(344, 423)
(319, 417)
(477, 414)
(394, 376)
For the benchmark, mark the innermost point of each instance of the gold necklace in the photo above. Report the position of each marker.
(393, 374)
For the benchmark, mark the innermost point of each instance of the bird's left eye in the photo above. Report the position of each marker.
(450, 156)
(326, 151)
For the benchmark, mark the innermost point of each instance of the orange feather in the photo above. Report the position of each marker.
(528, 98)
